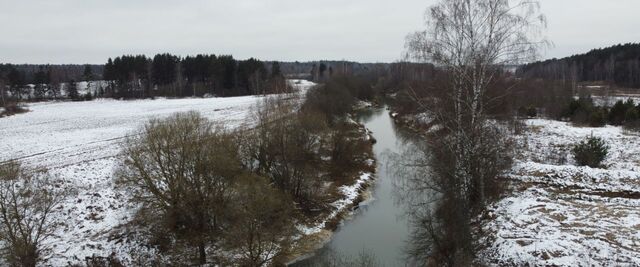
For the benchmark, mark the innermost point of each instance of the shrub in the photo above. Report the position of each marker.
(88, 97)
(631, 115)
(333, 99)
(528, 112)
(532, 112)
(582, 111)
(27, 202)
(12, 108)
(261, 222)
(590, 152)
(617, 113)
(598, 117)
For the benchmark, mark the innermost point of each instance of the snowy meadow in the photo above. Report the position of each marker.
(564, 215)
(78, 143)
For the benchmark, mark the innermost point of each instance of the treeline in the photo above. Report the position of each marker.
(22, 82)
(618, 65)
(170, 75)
(61, 72)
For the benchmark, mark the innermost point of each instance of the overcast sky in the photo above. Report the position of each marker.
(90, 31)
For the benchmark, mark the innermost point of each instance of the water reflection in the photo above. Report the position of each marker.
(388, 231)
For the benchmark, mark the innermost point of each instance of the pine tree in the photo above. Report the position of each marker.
(40, 79)
(88, 73)
(275, 69)
(323, 68)
(72, 90)
(88, 77)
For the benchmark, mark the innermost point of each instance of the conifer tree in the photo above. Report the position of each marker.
(72, 90)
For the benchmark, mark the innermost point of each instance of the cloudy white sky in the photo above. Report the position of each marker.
(90, 31)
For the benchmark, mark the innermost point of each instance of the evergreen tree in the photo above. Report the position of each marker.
(323, 68)
(41, 79)
(88, 77)
(88, 73)
(16, 82)
(275, 69)
(618, 65)
(72, 90)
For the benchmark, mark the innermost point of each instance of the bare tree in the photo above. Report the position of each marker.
(27, 203)
(182, 168)
(470, 41)
(284, 146)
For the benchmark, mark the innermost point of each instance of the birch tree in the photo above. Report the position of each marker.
(470, 42)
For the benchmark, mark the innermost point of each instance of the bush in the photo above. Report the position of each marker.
(532, 112)
(27, 202)
(12, 108)
(590, 152)
(598, 117)
(333, 99)
(261, 225)
(617, 113)
(527, 112)
(88, 97)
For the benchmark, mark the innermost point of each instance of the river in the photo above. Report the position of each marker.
(378, 228)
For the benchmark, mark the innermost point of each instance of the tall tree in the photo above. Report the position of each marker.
(88, 77)
(323, 68)
(471, 41)
(41, 79)
(72, 90)
(275, 69)
(16, 82)
(183, 168)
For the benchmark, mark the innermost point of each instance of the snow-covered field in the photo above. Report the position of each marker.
(78, 143)
(561, 214)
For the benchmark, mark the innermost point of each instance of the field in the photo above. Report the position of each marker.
(78, 143)
(563, 215)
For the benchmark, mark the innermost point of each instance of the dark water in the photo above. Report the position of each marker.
(378, 228)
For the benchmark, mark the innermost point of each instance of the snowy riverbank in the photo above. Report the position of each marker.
(563, 215)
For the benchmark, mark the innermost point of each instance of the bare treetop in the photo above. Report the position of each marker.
(486, 32)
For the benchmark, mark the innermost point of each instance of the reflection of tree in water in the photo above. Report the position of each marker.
(440, 233)
(433, 201)
(420, 198)
(328, 257)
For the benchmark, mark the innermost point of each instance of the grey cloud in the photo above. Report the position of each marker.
(89, 31)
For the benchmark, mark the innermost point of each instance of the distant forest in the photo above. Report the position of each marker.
(171, 75)
(617, 65)
(138, 76)
(31, 73)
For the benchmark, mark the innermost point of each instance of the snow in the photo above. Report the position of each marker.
(603, 101)
(565, 215)
(350, 193)
(78, 142)
(362, 105)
